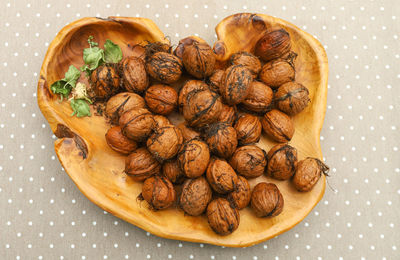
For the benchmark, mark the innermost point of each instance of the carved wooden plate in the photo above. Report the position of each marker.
(98, 171)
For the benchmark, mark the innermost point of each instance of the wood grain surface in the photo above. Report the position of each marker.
(98, 171)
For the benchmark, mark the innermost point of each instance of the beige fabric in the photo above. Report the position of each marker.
(44, 216)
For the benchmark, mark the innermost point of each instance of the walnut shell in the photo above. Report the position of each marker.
(282, 160)
(249, 161)
(122, 102)
(202, 108)
(241, 195)
(137, 124)
(292, 98)
(235, 85)
(221, 176)
(172, 171)
(259, 99)
(222, 139)
(223, 217)
(161, 99)
(308, 172)
(227, 114)
(248, 129)
(251, 62)
(277, 72)
(161, 121)
(278, 126)
(188, 133)
(159, 192)
(190, 86)
(193, 158)
(195, 196)
(165, 142)
(214, 81)
(183, 43)
(105, 81)
(266, 200)
(134, 75)
(199, 60)
(119, 142)
(164, 67)
(140, 164)
(273, 44)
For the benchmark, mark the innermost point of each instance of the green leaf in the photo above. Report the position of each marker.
(80, 107)
(93, 57)
(72, 75)
(60, 87)
(92, 43)
(112, 52)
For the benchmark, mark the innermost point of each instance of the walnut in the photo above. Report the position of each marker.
(308, 172)
(227, 114)
(172, 171)
(193, 158)
(248, 129)
(161, 99)
(273, 44)
(277, 72)
(241, 195)
(165, 142)
(133, 71)
(190, 86)
(223, 217)
(214, 81)
(164, 67)
(137, 124)
(199, 60)
(235, 85)
(159, 192)
(221, 176)
(118, 142)
(202, 108)
(195, 196)
(251, 62)
(222, 139)
(122, 102)
(266, 200)
(105, 81)
(249, 161)
(140, 165)
(282, 160)
(259, 99)
(278, 126)
(161, 121)
(188, 133)
(292, 98)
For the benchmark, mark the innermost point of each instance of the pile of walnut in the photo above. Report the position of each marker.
(213, 153)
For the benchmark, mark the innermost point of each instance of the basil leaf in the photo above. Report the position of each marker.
(112, 52)
(93, 57)
(72, 75)
(80, 107)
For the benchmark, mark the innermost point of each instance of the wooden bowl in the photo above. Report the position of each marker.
(98, 171)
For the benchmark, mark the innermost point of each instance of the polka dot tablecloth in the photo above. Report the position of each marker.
(44, 216)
